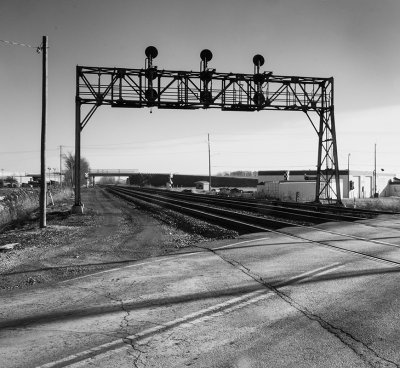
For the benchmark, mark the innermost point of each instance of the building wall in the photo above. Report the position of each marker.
(382, 185)
(394, 190)
(268, 190)
(296, 191)
(296, 179)
(363, 181)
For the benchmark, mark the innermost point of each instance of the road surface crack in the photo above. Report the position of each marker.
(365, 352)
(137, 352)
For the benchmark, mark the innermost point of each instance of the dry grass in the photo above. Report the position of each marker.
(391, 204)
(17, 203)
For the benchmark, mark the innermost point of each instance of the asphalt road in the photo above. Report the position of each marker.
(263, 300)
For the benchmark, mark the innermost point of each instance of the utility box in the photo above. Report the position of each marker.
(202, 185)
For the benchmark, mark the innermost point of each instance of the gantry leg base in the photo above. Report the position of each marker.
(77, 209)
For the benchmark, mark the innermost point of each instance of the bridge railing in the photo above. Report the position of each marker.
(115, 172)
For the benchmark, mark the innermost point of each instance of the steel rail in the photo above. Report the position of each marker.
(194, 199)
(241, 221)
(333, 209)
(260, 207)
(213, 214)
(265, 209)
(314, 207)
(219, 215)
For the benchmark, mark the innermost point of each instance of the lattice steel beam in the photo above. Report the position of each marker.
(183, 90)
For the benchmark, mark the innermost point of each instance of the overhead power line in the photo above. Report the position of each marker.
(18, 152)
(13, 43)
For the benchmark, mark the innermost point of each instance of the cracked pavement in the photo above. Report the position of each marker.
(365, 352)
(263, 300)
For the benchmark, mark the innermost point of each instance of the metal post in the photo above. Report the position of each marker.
(320, 142)
(335, 154)
(60, 167)
(209, 163)
(375, 188)
(43, 188)
(348, 174)
(77, 168)
(77, 208)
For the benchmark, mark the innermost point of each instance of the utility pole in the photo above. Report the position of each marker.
(209, 163)
(43, 188)
(60, 166)
(348, 173)
(375, 189)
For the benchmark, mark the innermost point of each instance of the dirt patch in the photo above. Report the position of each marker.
(111, 233)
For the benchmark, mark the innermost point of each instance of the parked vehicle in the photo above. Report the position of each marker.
(187, 191)
(235, 192)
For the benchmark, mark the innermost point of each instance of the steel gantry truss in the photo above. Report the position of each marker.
(207, 88)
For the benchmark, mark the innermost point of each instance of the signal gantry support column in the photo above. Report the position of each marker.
(78, 206)
(327, 165)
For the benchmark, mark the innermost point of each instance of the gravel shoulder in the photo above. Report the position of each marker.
(111, 233)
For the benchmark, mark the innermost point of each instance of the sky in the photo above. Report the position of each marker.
(354, 41)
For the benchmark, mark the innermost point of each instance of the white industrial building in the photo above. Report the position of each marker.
(299, 185)
(202, 185)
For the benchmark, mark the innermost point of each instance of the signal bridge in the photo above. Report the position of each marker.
(206, 89)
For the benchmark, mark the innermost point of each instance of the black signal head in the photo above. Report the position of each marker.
(151, 52)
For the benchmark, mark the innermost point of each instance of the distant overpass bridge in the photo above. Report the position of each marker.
(112, 172)
(93, 173)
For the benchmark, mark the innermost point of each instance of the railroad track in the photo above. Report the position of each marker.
(312, 213)
(307, 212)
(254, 223)
(290, 207)
(229, 218)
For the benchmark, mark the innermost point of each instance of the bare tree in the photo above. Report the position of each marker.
(69, 160)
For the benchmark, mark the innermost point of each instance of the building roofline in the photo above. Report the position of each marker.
(314, 172)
